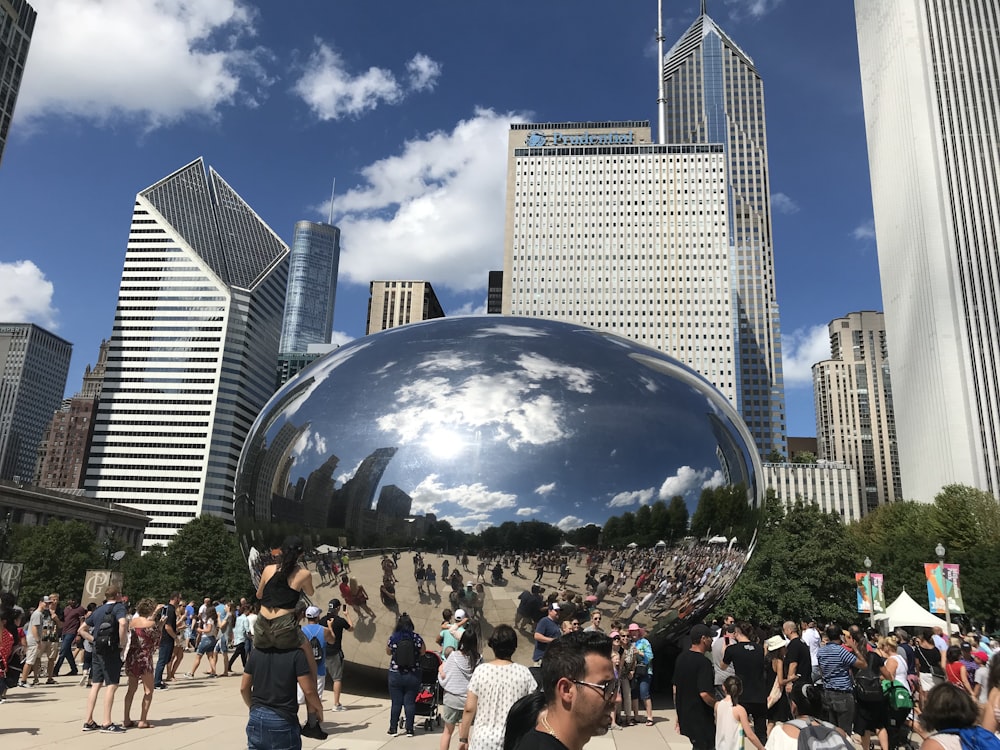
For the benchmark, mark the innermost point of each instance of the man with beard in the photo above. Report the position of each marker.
(579, 685)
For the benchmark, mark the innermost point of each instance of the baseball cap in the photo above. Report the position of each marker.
(312, 613)
(698, 632)
(981, 655)
(614, 634)
(469, 584)
(46, 600)
(459, 614)
(334, 604)
(555, 606)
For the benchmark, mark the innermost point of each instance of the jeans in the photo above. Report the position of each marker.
(162, 660)
(266, 730)
(66, 652)
(403, 689)
(839, 708)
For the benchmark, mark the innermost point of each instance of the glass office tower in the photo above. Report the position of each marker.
(312, 286)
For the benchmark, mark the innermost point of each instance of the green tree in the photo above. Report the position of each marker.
(585, 536)
(677, 514)
(644, 533)
(774, 456)
(204, 559)
(56, 558)
(804, 457)
(659, 520)
(148, 575)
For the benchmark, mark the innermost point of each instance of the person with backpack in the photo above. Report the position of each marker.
(315, 635)
(805, 730)
(404, 649)
(107, 630)
(952, 718)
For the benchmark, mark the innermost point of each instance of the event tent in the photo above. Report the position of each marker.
(904, 612)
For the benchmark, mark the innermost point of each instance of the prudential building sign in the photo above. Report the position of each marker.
(539, 139)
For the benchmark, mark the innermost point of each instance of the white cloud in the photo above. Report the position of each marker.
(568, 523)
(340, 338)
(783, 204)
(433, 211)
(715, 481)
(333, 92)
(865, 231)
(26, 295)
(430, 494)
(624, 499)
(800, 350)
(472, 523)
(685, 480)
(311, 441)
(545, 489)
(155, 62)
(528, 511)
(739, 9)
(469, 308)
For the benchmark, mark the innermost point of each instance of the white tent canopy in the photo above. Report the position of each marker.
(632, 545)
(324, 548)
(661, 543)
(906, 613)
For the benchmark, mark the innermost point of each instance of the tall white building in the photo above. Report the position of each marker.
(930, 73)
(830, 485)
(396, 303)
(605, 228)
(855, 424)
(192, 353)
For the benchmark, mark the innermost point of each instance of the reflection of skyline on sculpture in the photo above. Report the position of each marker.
(479, 421)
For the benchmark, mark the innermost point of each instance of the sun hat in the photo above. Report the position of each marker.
(775, 642)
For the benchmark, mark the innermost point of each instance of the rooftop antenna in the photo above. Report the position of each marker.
(703, 10)
(661, 102)
(332, 191)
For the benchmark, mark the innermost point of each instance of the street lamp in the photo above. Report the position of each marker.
(944, 590)
(871, 599)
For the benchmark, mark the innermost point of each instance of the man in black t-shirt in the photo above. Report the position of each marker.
(694, 694)
(747, 659)
(268, 689)
(167, 640)
(335, 624)
(798, 660)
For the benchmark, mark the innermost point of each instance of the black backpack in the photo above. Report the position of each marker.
(317, 649)
(406, 653)
(106, 637)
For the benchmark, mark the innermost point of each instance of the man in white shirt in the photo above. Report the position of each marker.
(720, 643)
(811, 637)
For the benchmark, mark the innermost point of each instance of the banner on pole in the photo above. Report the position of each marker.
(869, 591)
(96, 582)
(942, 585)
(10, 577)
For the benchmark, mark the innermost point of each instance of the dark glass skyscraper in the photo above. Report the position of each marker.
(714, 94)
(312, 286)
(17, 22)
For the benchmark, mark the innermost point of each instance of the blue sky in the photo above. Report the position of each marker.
(407, 106)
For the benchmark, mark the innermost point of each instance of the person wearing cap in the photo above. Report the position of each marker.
(546, 631)
(452, 631)
(980, 680)
(643, 671)
(335, 624)
(312, 629)
(694, 691)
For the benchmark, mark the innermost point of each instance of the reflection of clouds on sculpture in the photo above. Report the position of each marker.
(624, 499)
(545, 489)
(430, 496)
(309, 440)
(507, 402)
(568, 523)
(528, 511)
(319, 371)
(684, 482)
(509, 330)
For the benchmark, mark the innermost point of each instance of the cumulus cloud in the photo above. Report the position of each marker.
(433, 211)
(340, 338)
(469, 308)
(528, 511)
(740, 9)
(624, 499)
(800, 350)
(865, 231)
(431, 494)
(311, 441)
(154, 62)
(545, 489)
(472, 523)
(568, 523)
(685, 480)
(331, 91)
(26, 295)
(715, 481)
(783, 204)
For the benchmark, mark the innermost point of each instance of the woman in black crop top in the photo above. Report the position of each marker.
(281, 585)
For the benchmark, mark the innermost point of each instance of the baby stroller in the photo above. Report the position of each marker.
(900, 713)
(430, 692)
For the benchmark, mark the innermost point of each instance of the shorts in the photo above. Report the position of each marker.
(281, 632)
(206, 644)
(106, 668)
(32, 656)
(222, 645)
(320, 685)
(451, 715)
(335, 666)
(928, 680)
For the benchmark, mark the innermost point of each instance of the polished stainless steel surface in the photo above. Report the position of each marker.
(483, 420)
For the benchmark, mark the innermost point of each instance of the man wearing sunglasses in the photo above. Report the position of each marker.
(579, 685)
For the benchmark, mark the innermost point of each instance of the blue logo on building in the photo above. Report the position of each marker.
(535, 140)
(541, 140)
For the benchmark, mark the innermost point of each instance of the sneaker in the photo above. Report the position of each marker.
(340, 707)
(113, 729)
(90, 726)
(391, 733)
(50, 681)
(161, 686)
(83, 680)
(22, 684)
(409, 734)
(189, 675)
(314, 732)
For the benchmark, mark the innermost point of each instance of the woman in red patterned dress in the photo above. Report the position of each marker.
(141, 658)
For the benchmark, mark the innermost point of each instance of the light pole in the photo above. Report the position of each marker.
(944, 590)
(871, 599)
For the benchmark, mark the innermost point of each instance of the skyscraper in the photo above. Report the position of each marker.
(606, 229)
(396, 303)
(855, 424)
(33, 368)
(713, 94)
(312, 286)
(930, 72)
(17, 23)
(192, 353)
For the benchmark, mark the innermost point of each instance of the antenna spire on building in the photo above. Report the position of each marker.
(661, 102)
(703, 10)
(333, 190)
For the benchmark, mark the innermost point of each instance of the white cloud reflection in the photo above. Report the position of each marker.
(545, 489)
(685, 481)
(431, 494)
(568, 523)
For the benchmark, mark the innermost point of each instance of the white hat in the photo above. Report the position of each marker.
(459, 614)
(774, 643)
(312, 613)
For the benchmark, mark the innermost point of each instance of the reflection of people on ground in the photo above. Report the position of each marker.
(387, 591)
(430, 578)
(359, 598)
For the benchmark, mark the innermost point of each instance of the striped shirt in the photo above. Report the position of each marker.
(835, 663)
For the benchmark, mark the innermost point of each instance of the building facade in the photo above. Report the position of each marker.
(831, 486)
(494, 293)
(312, 286)
(930, 71)
(714, 95)
(62, 454)
(606, 229)
(192, 353)
(396, 303)
(855, 424)
(33, 368)
(17, 23)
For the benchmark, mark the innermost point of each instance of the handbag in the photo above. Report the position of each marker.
(936, 669)
(641, 670)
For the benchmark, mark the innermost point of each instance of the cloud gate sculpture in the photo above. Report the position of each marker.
(481, 421)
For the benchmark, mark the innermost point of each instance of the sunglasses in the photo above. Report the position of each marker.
(575, 623)
(609, 688)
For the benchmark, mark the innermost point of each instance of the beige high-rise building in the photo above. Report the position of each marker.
(855, 424)
(396, 303)
(606, 229)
